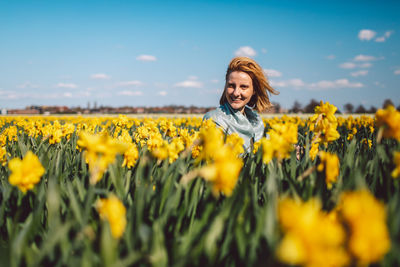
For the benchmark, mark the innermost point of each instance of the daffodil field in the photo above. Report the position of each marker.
(124, 191)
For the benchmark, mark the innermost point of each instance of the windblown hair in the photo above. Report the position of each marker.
(260, 100)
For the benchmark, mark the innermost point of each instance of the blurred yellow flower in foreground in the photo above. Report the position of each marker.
(101, 151)
(223, 162)
(26, 173)
(329, 163)
(311, 236)
(396, 159)
(389, 119)
(223, 173)
(114, 212)
(366, 218)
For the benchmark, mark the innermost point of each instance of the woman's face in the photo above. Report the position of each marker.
(239, 90)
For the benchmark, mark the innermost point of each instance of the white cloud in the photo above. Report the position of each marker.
(129, 83)
(397, 72)
(100, 76)
(66, 85)
(27, 85)
(146, 58)
(296, 83)
(379, 84)
(162, 93)
(365, 65)
(359, 73)
(385, 36)
(214, 81)
(331, 57)
(191, 82)
(366, 35)
(348, 65)
(11, 95)
(264, 51)
(317, 86)
(245, 51)
(130, 93)
(272, 73)
(388, 33)
(364, 58)
(340, 83)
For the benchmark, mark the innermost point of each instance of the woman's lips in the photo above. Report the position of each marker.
(236, 100)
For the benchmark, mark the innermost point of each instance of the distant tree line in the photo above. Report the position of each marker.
(347, 108)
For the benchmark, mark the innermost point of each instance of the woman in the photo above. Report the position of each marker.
(246, 89)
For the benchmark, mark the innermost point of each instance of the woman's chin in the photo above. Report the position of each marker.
(237, 106)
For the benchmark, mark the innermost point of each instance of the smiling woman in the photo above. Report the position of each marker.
(246, 89)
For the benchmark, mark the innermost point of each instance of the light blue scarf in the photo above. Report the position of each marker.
(249, 125)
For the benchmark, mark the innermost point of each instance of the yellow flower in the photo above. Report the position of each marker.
(114, 212)
(223, 162)
(236, 143)
(353, 132)
(329, 163)
(324, 123)
(212, 139)
(131, 155)
(366, 218)
(223, 173)
(101, 151)
(396, 159)
(311, 236)
(26, 173)
(67, 130)
(314, 150)
(3, 153)
(389, 119)
(366, 142)
(327, 110)
(256, 146)
(282, 138)
(168, 127)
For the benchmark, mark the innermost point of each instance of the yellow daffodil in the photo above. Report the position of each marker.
(314, 151)
(282, 138)
(101, 151)
(311, 236)
(26, 173)
(3, 153)
(223, 173)
(114, 211)
(366, 218)
(324, 123)
(131, 155)
(389, 119)
(329, 163)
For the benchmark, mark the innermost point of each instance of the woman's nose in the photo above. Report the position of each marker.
(236, 92)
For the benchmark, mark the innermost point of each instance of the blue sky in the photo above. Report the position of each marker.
(154, 53)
